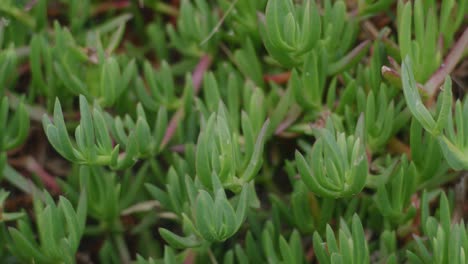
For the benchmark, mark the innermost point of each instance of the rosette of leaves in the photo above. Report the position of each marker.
(444, 242)
(194, 35)
(423, 50)
(66, 62)
(137, 135)
(338, 36)
(394, 197)
(309, 81)
(15, 129)
(114, 81)
(422, 19)
(59, 227)
(450, 131)
(239, 97)
(92, 72)
(336, 166)
(160, 85)
(289, 31)
(380, 114)
(309, 84)
(212, 217)
(351, 246)
(93, 141)
(219, 152)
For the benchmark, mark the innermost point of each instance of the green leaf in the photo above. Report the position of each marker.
(413, 99)
(256, 162)
(205, 216)
(179, 242)
(446, 106)
(28, 250)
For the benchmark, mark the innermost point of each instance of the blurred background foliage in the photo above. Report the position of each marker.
(233, 131)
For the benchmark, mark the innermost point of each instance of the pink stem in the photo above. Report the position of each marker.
(279, 78)
(287, 122)
(49, 181)
(197, 77)
(178, 148)
(455, 54)
(171, 128)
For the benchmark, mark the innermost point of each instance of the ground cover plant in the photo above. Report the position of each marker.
(233, 131)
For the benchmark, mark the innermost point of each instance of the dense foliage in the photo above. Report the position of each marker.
(233, 131)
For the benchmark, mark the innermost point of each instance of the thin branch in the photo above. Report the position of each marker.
(452, 59)
(197, 77)
(220, 22)
(279, 78)
(122, 248)
(49, 181)
(289, 120)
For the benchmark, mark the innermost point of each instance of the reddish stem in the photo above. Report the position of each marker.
(190, 258)
(171, 128)
(200, 69)
(287, 122)
(197, 77)
(455, 54)
(49, 181)
(178, 148)
(416, 203)
(279, 78)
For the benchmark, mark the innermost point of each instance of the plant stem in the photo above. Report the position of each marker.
(350, 59)
(292, 116)
(452, 59)
(197, 77)
(122, 248)
(49, 181)
(212, 257)
(279, 78)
